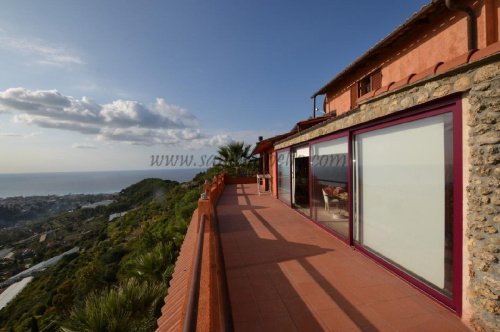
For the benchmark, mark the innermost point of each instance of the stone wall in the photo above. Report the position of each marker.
(483, 196)
(479, 83)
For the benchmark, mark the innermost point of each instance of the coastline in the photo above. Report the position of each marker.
(74, 183)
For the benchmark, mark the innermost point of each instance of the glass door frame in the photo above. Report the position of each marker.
(288, 149)
(293, 149)
(453, 106)
(331, 137)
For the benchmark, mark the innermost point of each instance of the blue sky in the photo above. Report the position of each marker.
(103, 85)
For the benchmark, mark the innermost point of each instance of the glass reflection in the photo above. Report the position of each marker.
(329, 167)
(284, 176)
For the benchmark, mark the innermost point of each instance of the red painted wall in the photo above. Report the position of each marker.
(273, 170)
(341, 103)
(497, 4)
(443, 40)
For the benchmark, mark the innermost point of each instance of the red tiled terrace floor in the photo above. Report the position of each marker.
(284, 273)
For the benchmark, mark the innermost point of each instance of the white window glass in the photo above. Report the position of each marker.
(403, 195)
(301, 152)
(284, 176)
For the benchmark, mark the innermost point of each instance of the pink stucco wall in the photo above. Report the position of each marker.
(428, 45)
(341, 103)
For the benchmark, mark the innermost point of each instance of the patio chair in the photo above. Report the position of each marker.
(261, 183)
(328, 200)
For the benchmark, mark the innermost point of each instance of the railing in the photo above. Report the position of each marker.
(197, 297)
(207, 307)
(194, 284)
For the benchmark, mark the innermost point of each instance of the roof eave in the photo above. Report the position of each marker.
(414, 19)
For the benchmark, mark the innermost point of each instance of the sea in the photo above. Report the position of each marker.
(64, 183)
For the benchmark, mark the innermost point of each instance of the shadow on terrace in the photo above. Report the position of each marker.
(270, 276)
(286, 274)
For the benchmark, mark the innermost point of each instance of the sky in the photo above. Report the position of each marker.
(104, 85)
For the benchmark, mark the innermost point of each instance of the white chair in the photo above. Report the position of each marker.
(328, 200)
(261, 183)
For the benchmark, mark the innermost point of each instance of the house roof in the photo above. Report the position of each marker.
(461, 62)
(440, 68)
(414, 21)
(305, 124)
(268, 143)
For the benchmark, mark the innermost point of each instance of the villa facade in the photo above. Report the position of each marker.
(403, 164)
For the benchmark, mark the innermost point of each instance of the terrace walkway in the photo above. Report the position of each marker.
(286, 274)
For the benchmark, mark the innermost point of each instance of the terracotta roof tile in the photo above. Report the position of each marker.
(438, 69)
(381, 90)
(487, 51)
(367, 96)
(175, 301)
(400, 83)
(423, 74)
(453, 63)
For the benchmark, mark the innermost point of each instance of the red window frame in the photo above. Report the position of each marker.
(451, 104)
(327, 138)
(277, 176)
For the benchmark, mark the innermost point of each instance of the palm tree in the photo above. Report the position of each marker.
(234, 156)
(154, 266)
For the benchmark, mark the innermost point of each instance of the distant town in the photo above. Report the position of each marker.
(31, 232)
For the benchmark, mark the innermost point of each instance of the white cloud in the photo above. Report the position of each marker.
(84, 146)
(11, 135)
(217, 140)
(176, 114)
(40, 51)
(121, 120)
(29, 135)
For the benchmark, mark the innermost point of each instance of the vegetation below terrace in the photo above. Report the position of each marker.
(118, 280)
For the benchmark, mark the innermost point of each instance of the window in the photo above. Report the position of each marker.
(330, 185)
(392, 189)
(367, 84)
(404, 197)
(284, 176)
(364, 86)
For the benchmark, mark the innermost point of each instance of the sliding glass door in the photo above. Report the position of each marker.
(329, 160)
(284, 176)
(403, 194)
(393, 190)
(300, 179)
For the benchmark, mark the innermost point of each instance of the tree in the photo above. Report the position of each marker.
(153, 266)
(234, 157)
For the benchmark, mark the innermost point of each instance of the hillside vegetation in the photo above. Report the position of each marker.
(118, 280)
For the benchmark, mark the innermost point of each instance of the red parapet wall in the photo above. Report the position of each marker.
(211, 305)
(240, 179)
(174, 309)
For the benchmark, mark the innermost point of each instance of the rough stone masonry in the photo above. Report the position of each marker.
(483, 196)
